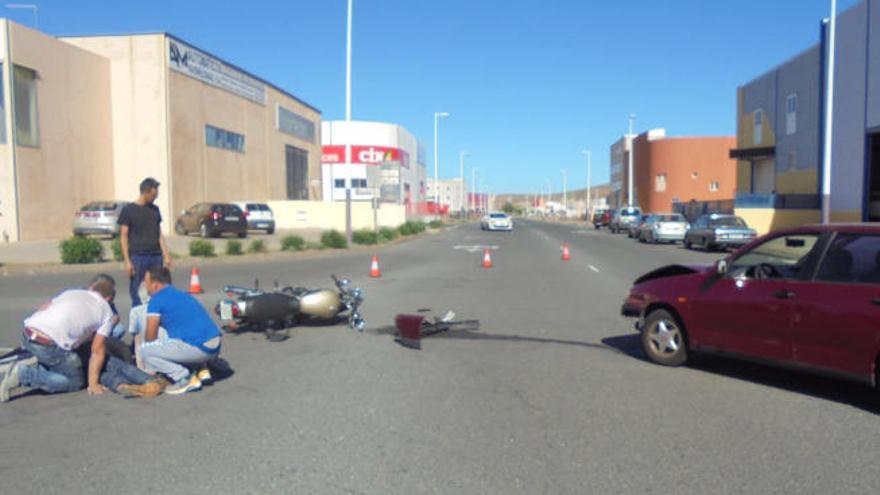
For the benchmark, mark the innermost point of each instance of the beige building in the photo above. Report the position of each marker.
(452, 192)
(92, 116)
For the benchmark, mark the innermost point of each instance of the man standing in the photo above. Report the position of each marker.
(143, 245)
(191, 341)
(53, 335)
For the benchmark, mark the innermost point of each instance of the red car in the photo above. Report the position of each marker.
(807, 298)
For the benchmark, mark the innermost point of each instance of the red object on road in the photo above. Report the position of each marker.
(487, 258)
(374, 267)
(409, 330)
(566, 254)
(195, 285)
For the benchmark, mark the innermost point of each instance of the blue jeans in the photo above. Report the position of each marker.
(141, 263)
(116, 372)
(56, 370)
(173, 357)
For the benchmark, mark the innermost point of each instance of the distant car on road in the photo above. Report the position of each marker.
(634, 228)
(601, 218)
(98, 217)
(805, 298)
(623, 218)
(259, 216)
(718, 231)
(663, 227)
(497, 221)
(212, 220)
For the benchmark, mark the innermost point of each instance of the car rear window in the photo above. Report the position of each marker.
(498, 215)
(670, 218)
(228, 209)
(100, 206)
(728, 222)
(631, 211)
(257, 207)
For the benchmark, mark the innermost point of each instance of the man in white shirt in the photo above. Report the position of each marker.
(53, 334)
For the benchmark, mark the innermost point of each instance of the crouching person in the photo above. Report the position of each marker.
(190, 341)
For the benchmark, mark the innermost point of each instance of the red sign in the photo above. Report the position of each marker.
(364, 155)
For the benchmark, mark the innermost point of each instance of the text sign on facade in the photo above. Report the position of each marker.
(295, 125)
(364, 155)
(199, 65)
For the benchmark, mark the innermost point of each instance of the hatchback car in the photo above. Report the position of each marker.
(497, 221)
(601, 218)
(259, 216)
(807, 298)
(663, 227)
(212, 220)
(718, 231)
(623, 218)
(98, 217)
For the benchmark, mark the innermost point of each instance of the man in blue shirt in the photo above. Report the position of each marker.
(191, 338)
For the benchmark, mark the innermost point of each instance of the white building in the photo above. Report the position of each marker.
(452, 192)
(387, 162)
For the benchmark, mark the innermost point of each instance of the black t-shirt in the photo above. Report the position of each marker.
(143, 228)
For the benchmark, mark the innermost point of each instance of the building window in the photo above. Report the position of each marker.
(220, 138)
(339, 183)
(791, 114)
(24, 82)
(660, 183)
(295, 125)
(714, 186)
(694, 175)
(758, 135)
(359, 183)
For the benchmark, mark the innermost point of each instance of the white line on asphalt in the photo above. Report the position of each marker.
(594, 269)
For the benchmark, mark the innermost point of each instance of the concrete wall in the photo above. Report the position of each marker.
(73, 162)
(331, 215)
(765, 220)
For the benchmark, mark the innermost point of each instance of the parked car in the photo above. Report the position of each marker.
(663, 227)
(98, 217)
(806, 298)
(623, 218)
(212, 220)
(497, 221)
(259, 216)
(601, 218)
(718, 231)
(633, 231)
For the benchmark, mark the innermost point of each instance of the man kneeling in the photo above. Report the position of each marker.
(191, 341)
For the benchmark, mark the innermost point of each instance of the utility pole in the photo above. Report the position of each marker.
(348, 229)
(437, 116)
(632, 151)
(829, 119)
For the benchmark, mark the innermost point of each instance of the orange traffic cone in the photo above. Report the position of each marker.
(374, 267)
(487, 258)
(566, 254)
(195, 286)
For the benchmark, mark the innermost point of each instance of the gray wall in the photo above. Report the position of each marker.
(800, 76)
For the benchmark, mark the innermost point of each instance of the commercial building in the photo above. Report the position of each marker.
(672, 171)
(780, 128)
(387, 163)
(91, 116)
(452, 193)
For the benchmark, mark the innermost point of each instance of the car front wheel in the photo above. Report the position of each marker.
(663, 339)
(179, 229)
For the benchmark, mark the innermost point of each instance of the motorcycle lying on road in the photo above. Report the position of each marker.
(276, 311)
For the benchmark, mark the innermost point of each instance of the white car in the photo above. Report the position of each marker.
(497, 221)
(259, 215)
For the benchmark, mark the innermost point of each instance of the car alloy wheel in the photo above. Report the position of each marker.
(663, 339)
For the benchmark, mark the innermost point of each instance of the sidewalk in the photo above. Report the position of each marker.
(48, 252)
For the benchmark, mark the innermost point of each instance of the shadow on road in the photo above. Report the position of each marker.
(480, 336)
(844, 392)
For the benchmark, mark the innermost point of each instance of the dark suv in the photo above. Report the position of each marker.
(212, 219)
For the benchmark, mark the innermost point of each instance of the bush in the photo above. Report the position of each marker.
(292, 243)
(201, 248)
(411, 228)
(233, 248)
(365, 236)
(116, 246)
(314, 246)
(257, 246)
(436, 224)
(80, 249)
(387, 234)
(333, 240)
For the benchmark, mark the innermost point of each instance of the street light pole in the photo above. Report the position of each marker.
(461, 156)
(437, 116)
(348, 227)
(632, 151)
(589, 184)
(829, 119)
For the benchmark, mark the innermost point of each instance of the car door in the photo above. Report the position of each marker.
(836, 315)
(693, 235)
(747, 313)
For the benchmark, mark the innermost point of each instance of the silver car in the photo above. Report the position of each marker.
(623, 218)
(663, 227)
(98, 217)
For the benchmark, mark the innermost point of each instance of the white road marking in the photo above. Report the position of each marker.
(594, 269)
(476, 248)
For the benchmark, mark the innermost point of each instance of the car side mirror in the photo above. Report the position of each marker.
(721, 267)
(184, 212)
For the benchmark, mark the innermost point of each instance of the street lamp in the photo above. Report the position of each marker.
(589, 183)
(28, 6)
(632, 151)
(348, 228)
(829, 119)
(461, 156)
(437, 116)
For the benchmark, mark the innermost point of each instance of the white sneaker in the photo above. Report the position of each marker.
(8, 380)
(190, 384)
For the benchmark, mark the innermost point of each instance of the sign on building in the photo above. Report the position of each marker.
(199, 65)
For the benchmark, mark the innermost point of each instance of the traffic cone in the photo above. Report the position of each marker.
(487, 258)
(195, 286)
(374, 267)
(566, 254)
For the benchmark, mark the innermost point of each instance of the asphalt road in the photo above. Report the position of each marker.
(550, 396)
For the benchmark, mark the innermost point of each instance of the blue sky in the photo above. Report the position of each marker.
(529, 83)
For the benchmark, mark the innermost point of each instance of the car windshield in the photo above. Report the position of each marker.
(785, 253)
(630, 211)
(99, 206)
(498, 215)
(727, 222)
